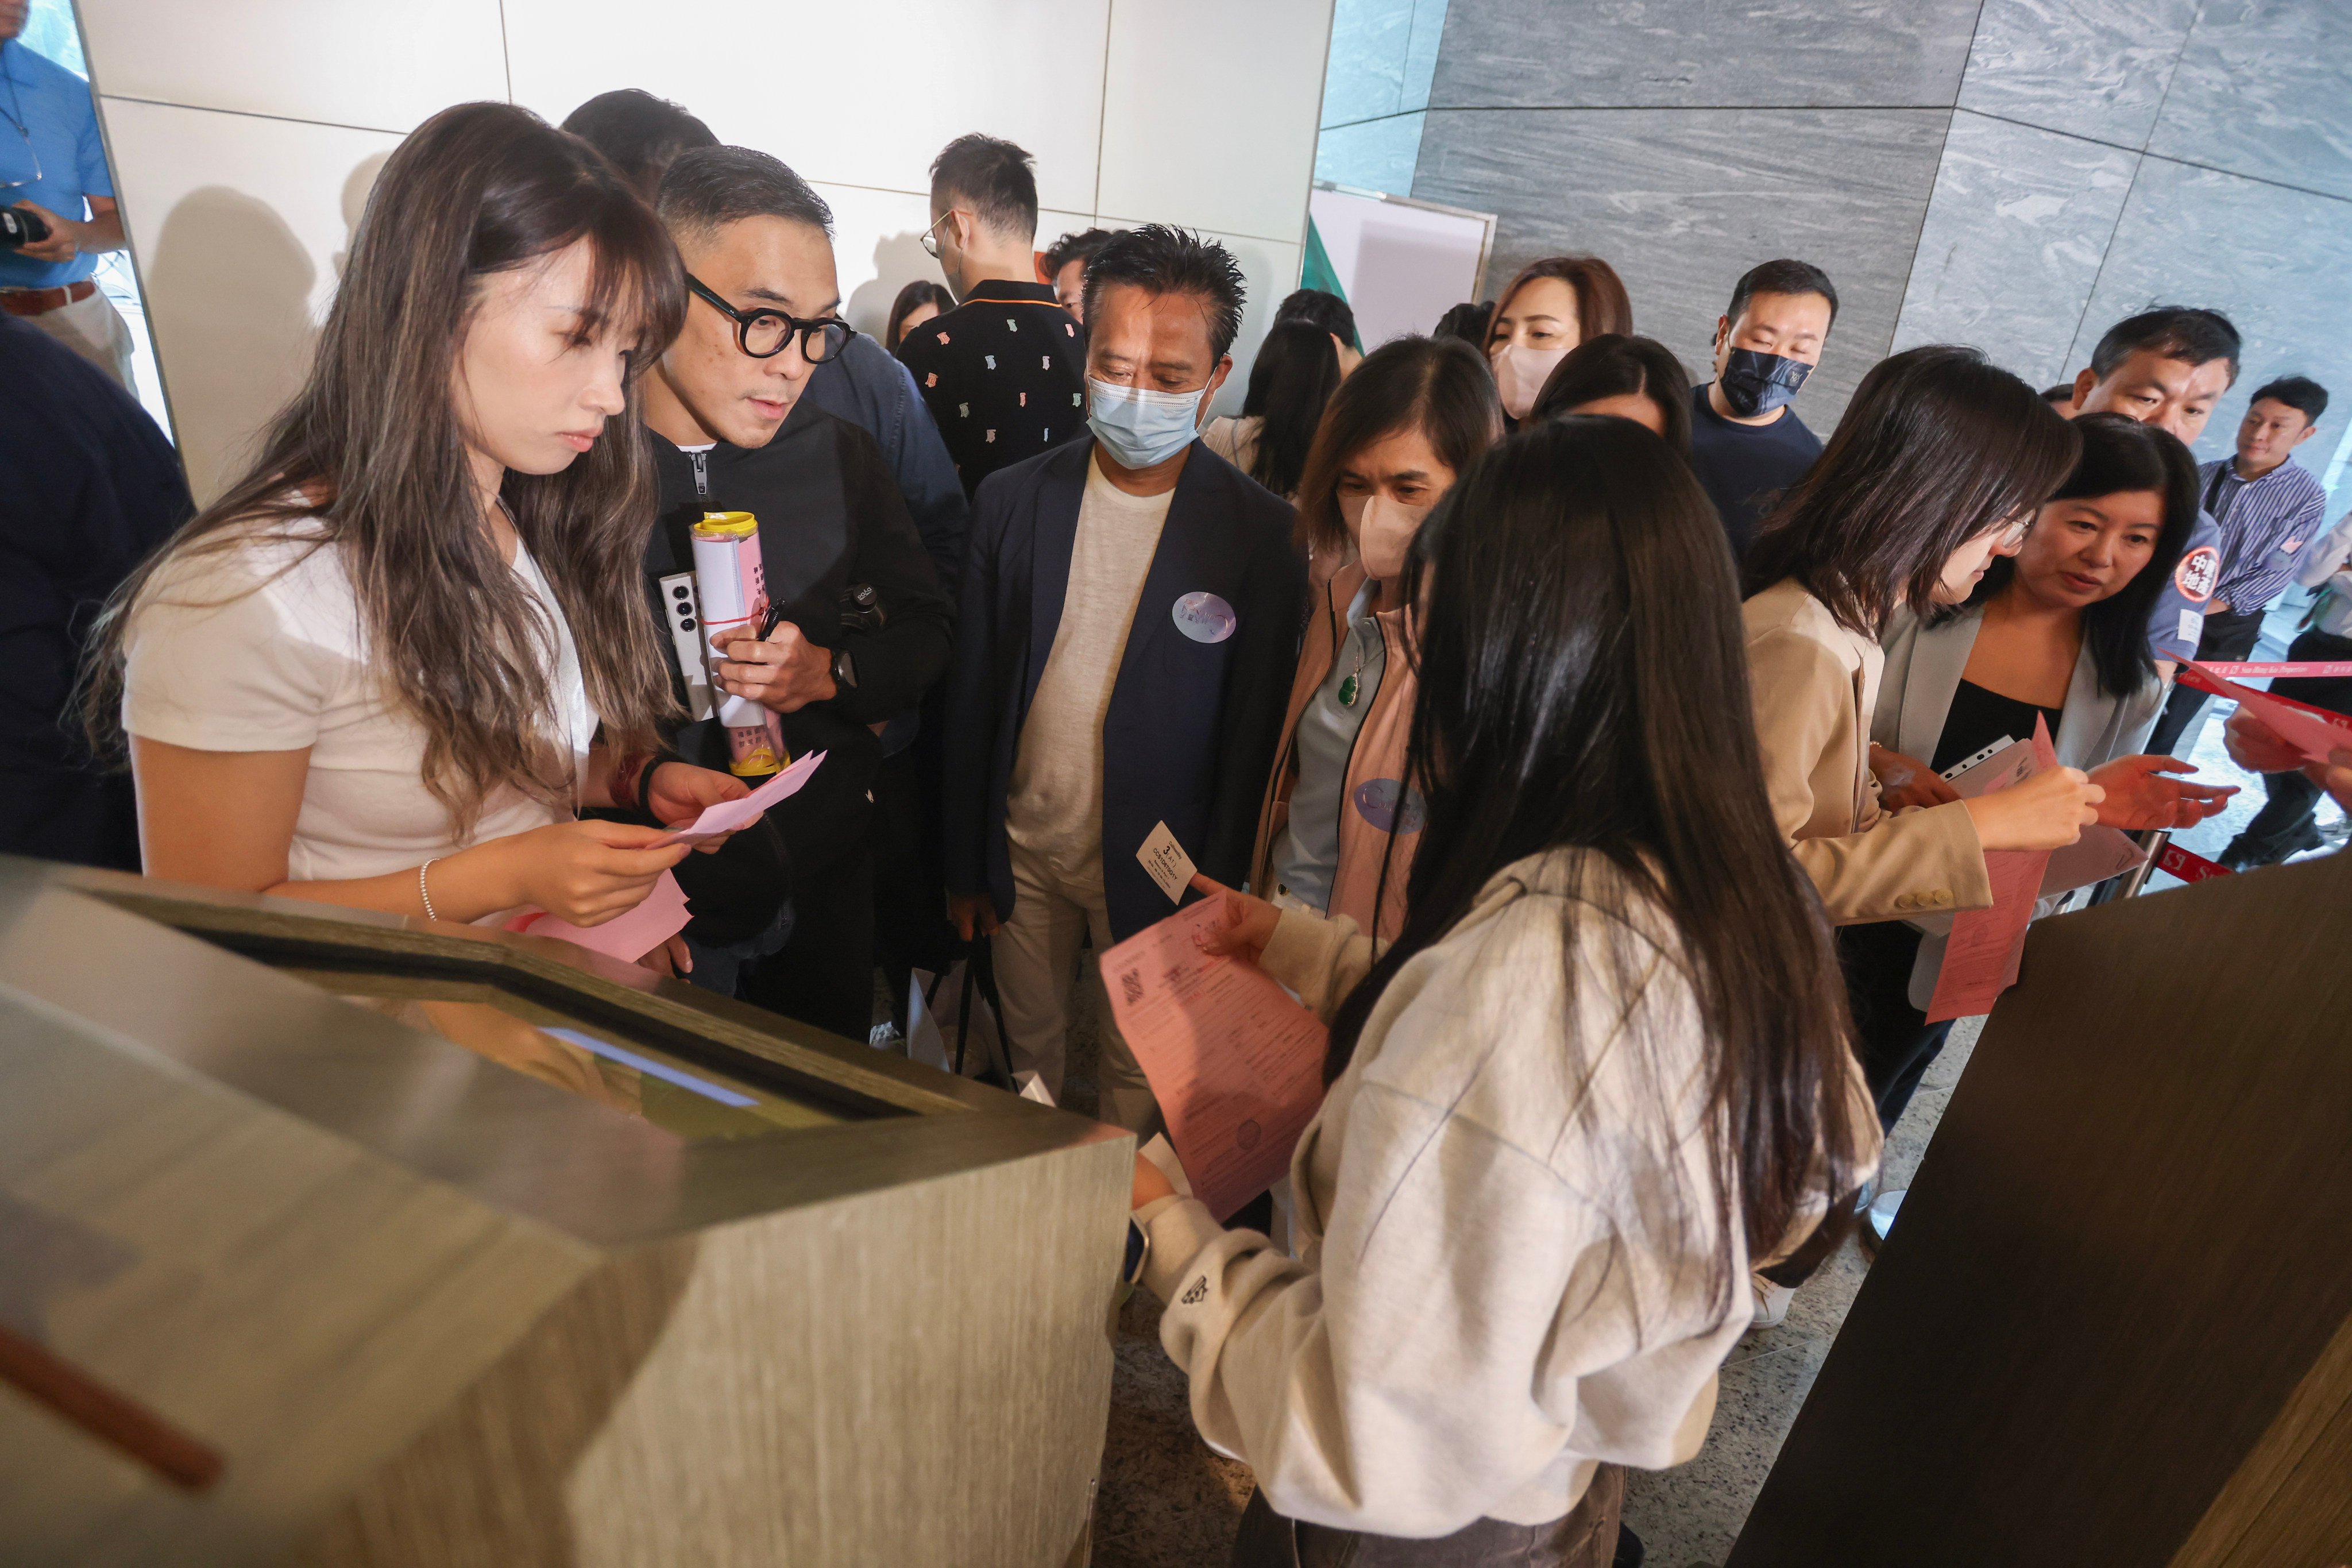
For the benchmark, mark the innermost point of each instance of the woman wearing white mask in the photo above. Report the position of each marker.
(1550, 307)
(1416, 412)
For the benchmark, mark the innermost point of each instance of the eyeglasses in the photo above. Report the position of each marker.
(931, 240)
(762, 333)
(2010, 536)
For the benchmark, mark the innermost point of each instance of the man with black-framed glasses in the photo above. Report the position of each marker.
(863, 626)
(1004, 372)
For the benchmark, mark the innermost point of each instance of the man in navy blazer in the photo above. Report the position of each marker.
(1129, 623)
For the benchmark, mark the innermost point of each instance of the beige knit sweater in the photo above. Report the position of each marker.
(1493, 1293)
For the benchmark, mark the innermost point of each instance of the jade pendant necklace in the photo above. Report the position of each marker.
(1350, 686)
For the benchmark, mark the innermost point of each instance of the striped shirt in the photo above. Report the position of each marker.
(2264, 522)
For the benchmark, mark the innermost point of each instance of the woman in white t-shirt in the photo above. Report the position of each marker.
(390, 664)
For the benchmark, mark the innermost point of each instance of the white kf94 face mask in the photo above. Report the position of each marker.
(1139, 426)
(1384, 530)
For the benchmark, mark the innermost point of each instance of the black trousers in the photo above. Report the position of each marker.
(2227, 636)
(2282, 825)
(1898, 1043)
(824, 974)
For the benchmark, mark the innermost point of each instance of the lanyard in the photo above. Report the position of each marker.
(18, 120)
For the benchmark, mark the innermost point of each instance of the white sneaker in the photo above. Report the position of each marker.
(1771, 1302)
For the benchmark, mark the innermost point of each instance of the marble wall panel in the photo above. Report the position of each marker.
(1421, 53)
(2095, 69)
(2277, 262)
(2264, 87)
(1364, 77)
(1377, 156)
(1696, 54)
(2019, 221)
(1681, 202)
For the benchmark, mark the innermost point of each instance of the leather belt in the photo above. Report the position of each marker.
(41, 302)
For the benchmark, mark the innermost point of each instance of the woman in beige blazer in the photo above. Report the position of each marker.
(1937, 467)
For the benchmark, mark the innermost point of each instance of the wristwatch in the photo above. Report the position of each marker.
(844, 668)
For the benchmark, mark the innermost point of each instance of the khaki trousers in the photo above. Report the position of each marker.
(93, 329)
(1037, 953)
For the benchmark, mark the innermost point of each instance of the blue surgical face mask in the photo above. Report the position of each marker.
(1141, 427)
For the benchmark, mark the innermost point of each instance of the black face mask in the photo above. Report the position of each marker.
(1756, 382)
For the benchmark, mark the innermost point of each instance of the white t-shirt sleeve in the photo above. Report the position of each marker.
(217, 663)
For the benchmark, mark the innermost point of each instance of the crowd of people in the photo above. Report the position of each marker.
(1572, 739)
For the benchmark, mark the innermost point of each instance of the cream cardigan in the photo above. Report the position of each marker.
(1491, 1296)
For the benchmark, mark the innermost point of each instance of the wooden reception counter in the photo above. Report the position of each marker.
(334, 1238)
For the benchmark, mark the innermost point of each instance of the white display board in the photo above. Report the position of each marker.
(1402, 263)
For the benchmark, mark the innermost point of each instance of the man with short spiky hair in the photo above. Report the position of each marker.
(864, 623)
(1004, 372)
(1747, 446)
(1129, 623)
(2167, 367)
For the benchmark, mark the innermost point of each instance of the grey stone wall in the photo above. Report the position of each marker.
(2107, 155)
(2016, 174)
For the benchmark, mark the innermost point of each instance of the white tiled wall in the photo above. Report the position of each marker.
(243, 134)
(381, 66)
(240, 224)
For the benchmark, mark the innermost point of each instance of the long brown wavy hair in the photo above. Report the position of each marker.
(369, 459)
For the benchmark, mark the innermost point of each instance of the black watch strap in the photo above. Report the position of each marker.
(844, 668)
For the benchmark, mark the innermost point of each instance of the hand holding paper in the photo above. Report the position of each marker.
(733, 815)
(1237, 1064)
(1981, 957)
(630, 936)
(2314, 732)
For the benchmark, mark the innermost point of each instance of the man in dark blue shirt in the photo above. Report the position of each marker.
(1747, 443)
(88, 487)
(53, 170)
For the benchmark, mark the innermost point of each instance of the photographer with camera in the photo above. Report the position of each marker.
(861, 625)
(52, 164)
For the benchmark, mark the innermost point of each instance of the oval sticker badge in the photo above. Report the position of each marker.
(1204, 617)
(1375, 803)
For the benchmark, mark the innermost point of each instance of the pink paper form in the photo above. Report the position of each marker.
(629, 937)
(730, 815)
(1982, 958)
(2315, 733)
(1237, 1064)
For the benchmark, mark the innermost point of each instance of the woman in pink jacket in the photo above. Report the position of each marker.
(1338, 806)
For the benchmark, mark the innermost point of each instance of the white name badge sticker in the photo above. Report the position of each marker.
(1204, 617)
(2192, 627)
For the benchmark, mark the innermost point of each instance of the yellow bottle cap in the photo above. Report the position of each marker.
(726, 525)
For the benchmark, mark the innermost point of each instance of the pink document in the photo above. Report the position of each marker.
(2315, 733)
(730, 815)
(1236, 1063)
(1982, 958)
(631, 936)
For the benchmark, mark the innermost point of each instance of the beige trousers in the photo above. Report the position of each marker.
(93, 329)
(1036, 954)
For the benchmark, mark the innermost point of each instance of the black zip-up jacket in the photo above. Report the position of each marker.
(830, 516)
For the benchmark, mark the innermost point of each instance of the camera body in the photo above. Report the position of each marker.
(19, 227)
